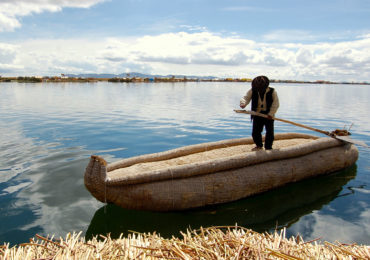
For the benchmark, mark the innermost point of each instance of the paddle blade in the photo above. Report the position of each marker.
(352, 141)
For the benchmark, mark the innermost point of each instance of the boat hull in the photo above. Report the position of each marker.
(208, 188)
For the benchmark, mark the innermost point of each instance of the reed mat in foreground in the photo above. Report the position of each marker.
(206, 243)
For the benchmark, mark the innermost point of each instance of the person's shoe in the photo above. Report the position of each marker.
(257, 148)
(268, 148)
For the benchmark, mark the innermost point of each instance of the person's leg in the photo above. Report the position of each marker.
(269, 125)
(257, 131)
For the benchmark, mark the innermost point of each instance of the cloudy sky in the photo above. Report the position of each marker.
(285, 39)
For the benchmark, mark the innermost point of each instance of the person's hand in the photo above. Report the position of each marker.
(242, 105)
(269, 117)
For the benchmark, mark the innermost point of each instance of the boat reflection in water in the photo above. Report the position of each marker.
(273, 209)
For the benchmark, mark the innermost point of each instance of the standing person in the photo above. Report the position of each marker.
(264, 100)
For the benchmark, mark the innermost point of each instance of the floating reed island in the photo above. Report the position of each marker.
(206, 243)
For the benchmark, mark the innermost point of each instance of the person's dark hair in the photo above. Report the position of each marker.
(260, 82)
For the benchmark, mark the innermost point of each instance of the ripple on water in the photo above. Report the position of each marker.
(48, 132)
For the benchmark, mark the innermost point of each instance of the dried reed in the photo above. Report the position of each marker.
(206, 243)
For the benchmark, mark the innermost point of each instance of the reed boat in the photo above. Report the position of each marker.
(214, 172)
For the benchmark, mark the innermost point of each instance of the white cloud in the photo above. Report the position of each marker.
(202, 53)
(304, 56)
(7, 52)
(289, 36)
(8, 22)
(194, 28)
(12, 10)
(332, 228)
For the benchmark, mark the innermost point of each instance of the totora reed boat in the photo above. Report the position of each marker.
(215, 172)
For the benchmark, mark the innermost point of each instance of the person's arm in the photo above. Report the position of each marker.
(244, 101)
(275, 104)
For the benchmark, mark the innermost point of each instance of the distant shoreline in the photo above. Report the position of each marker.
(157, 79)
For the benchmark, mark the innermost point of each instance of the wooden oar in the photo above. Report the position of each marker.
(282, 120)
(343, 138)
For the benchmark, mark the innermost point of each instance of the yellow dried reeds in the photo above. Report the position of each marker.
(206, 243)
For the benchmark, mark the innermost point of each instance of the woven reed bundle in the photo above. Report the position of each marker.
(209, 155)
(206, 158)
(206, 243)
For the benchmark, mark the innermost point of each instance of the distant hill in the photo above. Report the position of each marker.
(134, 74)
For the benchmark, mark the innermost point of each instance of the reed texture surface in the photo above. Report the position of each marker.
(207, 155)
(206, 243)
(209, 158)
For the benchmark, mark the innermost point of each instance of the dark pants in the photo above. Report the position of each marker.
(258, 124)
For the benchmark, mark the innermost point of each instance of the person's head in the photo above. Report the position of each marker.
(260, 83)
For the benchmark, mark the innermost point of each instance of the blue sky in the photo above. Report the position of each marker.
(288, 39)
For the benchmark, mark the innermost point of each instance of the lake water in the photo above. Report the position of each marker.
(48, 132)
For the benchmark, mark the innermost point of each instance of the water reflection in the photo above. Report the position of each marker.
(41, 190)
(48, 132)
(278, 208)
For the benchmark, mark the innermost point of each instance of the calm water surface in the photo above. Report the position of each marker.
(48, 131)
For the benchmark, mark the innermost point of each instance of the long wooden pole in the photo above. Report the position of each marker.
(334, 135)
(282, 120)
